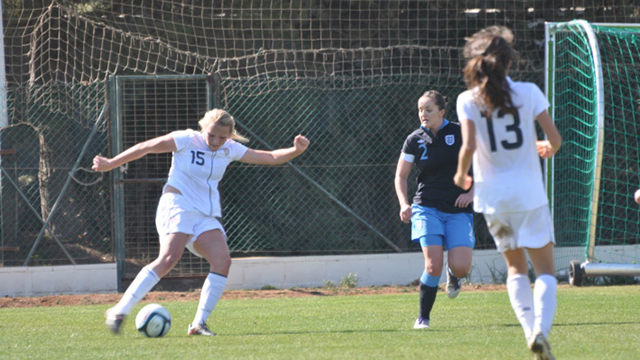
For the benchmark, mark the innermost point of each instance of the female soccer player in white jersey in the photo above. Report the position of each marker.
(497, 117)
(189, 207)
(440, 215)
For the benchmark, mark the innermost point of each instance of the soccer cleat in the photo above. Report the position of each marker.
(540, 348)
(114, 320)
(453, 285)
(201, 329)
(421, 323)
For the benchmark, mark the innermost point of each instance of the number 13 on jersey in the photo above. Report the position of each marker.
(513, 127)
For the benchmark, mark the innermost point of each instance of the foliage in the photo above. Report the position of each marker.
(350, 280)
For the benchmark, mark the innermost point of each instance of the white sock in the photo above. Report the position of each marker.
(519, 289)
(209, 297)
(141, 285)
(545, 302)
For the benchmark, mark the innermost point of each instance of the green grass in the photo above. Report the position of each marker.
(591, 323)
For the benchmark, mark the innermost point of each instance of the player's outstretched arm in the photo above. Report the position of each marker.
(279, 156)
(162, 144)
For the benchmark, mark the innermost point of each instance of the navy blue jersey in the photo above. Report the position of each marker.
(437, 160)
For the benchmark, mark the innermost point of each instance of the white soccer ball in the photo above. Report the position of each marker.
(153, 321)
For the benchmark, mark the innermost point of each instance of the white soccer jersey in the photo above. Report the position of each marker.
(196, 170)
(506, 166)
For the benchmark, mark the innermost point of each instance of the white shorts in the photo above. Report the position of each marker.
(528, 229)
(176, 215)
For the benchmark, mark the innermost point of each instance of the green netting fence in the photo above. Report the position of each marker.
(596, 93)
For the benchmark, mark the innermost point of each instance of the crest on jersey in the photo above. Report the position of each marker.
(449, 139)
(225, 151)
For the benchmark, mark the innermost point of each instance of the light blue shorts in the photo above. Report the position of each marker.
(433, 227)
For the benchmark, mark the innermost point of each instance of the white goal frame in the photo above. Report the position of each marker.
(589, 268)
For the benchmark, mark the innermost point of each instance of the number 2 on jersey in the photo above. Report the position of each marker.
(424, 154)
(515, 127)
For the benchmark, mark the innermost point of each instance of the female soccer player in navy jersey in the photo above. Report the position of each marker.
(440, 215)
(189, 207)
(497, 116)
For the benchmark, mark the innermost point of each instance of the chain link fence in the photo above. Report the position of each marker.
(337, 198)
(54, 209)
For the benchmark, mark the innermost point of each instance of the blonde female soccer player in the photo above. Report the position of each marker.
(497, 117)
(189, 207)
(440, 212)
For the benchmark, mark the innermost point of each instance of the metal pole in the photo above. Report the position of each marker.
(4, 118)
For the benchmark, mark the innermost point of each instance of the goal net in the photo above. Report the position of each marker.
(593, 81)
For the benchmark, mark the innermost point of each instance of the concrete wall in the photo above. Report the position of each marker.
(248, 273)
(280, 272)
(371, 270)
(51, 280)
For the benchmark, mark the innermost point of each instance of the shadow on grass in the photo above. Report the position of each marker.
(354, 331)
(310, 292)
(582, 324)
(598, 323)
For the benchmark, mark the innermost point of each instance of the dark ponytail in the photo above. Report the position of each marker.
(488, 71)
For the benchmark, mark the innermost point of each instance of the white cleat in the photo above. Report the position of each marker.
(453, 285)
(540, 348)
(421, 323)
(114, 320)
(201, 329)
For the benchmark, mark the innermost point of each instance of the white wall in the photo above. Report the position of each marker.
(371, 270)
(53, 280)
(247, 273)
(280, 272)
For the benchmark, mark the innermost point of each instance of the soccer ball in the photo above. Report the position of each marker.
(153, 321)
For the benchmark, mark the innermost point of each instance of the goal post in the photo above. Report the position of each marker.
(592, 80)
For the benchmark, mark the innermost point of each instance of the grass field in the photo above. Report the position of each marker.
(591, 323)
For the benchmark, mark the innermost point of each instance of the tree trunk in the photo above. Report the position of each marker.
(46, 180)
